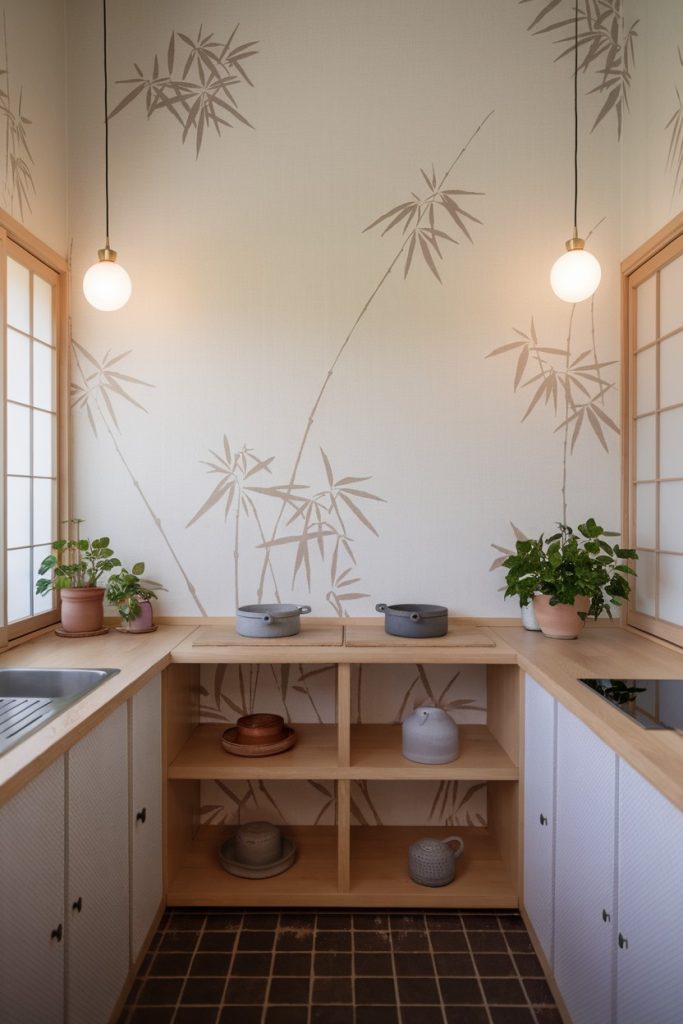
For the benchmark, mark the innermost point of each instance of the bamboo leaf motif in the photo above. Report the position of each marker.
(606, 48)
(101, 382)
(204, 95)
(19, 184)
(674, 159)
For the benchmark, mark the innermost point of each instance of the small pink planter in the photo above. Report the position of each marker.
(143, 622)
(560, 621)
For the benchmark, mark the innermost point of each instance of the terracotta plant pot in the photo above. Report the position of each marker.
(82, 609)
(560, 621)
(143, 621)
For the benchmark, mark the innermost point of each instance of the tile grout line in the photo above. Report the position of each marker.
(399, 1009)
(266, 998)
(436, 973)
(189, 968)
(519, 977)
(311, 971)
(228, 975)
(476, 966)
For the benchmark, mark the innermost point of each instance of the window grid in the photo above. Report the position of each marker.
(651, 613)
(35, 605)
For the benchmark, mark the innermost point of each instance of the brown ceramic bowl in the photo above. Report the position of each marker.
(260, 728)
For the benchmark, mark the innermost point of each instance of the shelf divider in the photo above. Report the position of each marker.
(343, 835)
(344, 714)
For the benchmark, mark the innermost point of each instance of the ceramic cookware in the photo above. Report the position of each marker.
(432, 861)
(430, 736)
(416, 621)
(270, 620)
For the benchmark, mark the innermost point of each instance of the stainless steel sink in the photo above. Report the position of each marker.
(30, 697)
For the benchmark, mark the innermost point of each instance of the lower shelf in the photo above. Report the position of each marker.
(201, 881)
(379, 870)
(379, 874)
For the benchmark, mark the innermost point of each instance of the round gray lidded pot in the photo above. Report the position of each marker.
(432, 861)
(257, 843)
(430, 736)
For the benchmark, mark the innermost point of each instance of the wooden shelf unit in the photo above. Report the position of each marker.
(344, 864)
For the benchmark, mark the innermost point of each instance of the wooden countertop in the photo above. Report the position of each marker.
(557, 664)
(138, 658)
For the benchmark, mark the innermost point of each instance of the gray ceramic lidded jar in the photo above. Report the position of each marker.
(257, 843)
(430, 736)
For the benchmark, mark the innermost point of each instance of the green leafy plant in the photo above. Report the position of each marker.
(126, 589)
(570, 564)
(616, 690)
(78, 563)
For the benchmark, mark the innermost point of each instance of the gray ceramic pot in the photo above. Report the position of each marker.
(416, 621)
(270, 620)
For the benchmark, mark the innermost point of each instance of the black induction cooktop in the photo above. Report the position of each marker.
(651, 703)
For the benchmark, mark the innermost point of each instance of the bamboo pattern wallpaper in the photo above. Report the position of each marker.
(288, 411)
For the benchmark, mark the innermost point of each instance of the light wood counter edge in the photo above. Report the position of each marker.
(151, 653)
(656, 753)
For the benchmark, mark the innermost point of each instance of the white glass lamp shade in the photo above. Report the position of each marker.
(106, 285)
(576, 274)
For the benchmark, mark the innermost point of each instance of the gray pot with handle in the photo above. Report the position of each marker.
(416, 621)
(270, 620)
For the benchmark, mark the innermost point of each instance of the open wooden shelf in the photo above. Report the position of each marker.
(379, 869)
(201, 881)
(376, 754)
(313, 757)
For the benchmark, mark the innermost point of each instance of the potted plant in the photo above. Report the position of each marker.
(132, 596)
(74, 571)
(569, 576)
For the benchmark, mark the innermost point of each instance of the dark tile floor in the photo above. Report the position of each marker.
(340, 968)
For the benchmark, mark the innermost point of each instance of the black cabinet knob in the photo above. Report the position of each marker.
(606, 916)
(623, 941)
(57, 933)
(78, 905)
(543, 819)
(142, 815)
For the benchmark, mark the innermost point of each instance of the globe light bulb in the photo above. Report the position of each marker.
(106, 285)
(576, 274)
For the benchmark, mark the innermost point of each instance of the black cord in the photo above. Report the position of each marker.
(106, 125)
(576, 114)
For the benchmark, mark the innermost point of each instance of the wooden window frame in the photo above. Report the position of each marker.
(12, 231)
(647, 260)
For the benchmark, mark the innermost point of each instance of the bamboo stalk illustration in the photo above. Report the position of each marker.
(409, 239)
(136, 484)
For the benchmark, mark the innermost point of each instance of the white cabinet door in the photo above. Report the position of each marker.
(32, 901)
(650, 904)
(145, 811)
(539, 810)
(98, 946)
(585, 892)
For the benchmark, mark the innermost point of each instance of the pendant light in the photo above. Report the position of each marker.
(576, 274)
(106, 285)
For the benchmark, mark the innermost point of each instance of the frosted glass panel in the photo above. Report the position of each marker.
(645, 583)
(18, 303)
(42, 309)
(18, 511)
(671, 516)
(18, 367)
(47, 602)
(43, 379)
(646, 456)
(671, 588)
(646, 305)
(43, 444)
(671, 371)
(18, 439)
(19, 584)
(646, 381)
(671, 442)
(43, 503)
(671, 296)
(646, 523)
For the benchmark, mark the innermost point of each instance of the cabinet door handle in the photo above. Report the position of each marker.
(623, 941)
(543, 820)
(142, 815)
(78, 905)
(606, 916)
(57, 933)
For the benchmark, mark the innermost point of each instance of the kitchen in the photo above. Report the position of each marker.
(239, 425)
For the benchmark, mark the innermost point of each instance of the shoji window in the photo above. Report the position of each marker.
(31, 293)
(653, 409)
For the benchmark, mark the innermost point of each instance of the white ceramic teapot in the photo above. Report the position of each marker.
(430, 736)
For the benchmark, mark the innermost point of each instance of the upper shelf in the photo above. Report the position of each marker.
(343, 641)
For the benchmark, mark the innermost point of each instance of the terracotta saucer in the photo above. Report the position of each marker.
(229, 743)
(226, 855)
(92, 632)
(132, 632)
